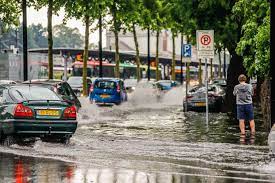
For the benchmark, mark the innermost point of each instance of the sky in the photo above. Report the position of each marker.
(35, 17)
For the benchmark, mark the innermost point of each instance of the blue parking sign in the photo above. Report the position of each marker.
(187, 50)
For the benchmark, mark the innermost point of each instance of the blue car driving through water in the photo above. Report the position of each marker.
(108, 91)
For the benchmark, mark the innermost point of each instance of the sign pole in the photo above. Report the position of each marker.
(206, 93)
(186, 84)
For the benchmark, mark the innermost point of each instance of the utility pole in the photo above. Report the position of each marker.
(25, 41)
(224, 64)
(100, 45)
(148, 58)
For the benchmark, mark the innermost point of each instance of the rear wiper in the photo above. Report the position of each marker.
(21, 94)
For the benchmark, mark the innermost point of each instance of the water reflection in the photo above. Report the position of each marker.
(17, 169)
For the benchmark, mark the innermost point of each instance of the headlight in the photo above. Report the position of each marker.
(133, 88)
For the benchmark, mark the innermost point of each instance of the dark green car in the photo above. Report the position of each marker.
(35, 111)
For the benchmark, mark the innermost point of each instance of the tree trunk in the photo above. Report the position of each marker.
(173, 58)
(200, 73)
(85, 58)
(220, 64)
(157, 56)
(116, 30)
(265, 92)
(234, 70)
(137, 53)
(224, 64)
(50, 39)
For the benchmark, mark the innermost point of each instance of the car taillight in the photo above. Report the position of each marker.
(70, 112)
(22, 111)
(189, 96)
(91, 88)
(118, 88)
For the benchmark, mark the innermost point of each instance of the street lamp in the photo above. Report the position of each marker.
(25, 40)
(148, 58)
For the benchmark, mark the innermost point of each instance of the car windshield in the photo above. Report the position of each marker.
(105, 84)
(75, 80)
(22, 93)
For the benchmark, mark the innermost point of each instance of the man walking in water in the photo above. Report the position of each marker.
(244, 93)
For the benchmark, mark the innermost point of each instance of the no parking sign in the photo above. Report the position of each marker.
(205, 43)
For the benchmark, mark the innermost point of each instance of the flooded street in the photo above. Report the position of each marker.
(143, 140)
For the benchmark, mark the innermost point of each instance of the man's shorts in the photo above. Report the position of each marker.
(245, 112)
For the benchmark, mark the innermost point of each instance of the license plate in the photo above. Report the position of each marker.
(200, 104)
(104, 96)
(48, 112)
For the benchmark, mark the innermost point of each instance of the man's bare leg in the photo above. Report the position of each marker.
(242, 126)
(252, 126)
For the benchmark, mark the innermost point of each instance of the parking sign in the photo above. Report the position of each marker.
(187, 50)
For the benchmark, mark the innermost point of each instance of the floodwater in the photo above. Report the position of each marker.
(144, 140)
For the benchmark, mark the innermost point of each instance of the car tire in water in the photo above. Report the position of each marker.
(65, 140)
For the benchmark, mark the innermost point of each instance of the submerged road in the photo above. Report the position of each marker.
(143, 140)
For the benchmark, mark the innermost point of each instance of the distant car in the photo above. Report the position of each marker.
(220, 82)
(35, 111)
(166, 85)
(76, 83)
(130, 85)
(59, 86)
(108, 91)
(7, 82)
(196, 100)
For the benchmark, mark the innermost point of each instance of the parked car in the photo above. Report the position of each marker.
(166, 85)
(76, 83)
(7, 82)
(108, 91)
(35, 111)
(196, 98)
(60, 87)
(219, 82)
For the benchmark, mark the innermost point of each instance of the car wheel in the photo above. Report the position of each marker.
(8, 141)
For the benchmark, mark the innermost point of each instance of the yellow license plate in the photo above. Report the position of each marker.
(48, 112)
(104, 96)
(200, 104)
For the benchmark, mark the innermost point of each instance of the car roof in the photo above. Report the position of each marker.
(43, 81)
(108, 79)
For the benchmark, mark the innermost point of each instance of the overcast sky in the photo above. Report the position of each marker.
(35, 17)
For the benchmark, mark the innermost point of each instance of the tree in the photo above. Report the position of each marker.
(132, 10)
(53, 7)
(67, 37)
(9, 14)
(88, 11)
(116, 13)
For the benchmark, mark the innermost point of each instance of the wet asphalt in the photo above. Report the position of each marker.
(144, 140)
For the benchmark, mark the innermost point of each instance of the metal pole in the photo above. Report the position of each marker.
(148, 59)
(65, 68)
(186, 84)
(100, 46)
(224, 64)
(206, 93)
(25, 41)
(181, 71)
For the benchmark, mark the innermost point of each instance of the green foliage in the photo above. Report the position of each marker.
(254, 45)
(67, 37)
(9, 14)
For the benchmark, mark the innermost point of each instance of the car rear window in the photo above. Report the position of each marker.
(33, 93)
(105, 84)
(75, 80)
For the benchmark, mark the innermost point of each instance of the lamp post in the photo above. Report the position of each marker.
(25, 41)
(148, 58)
